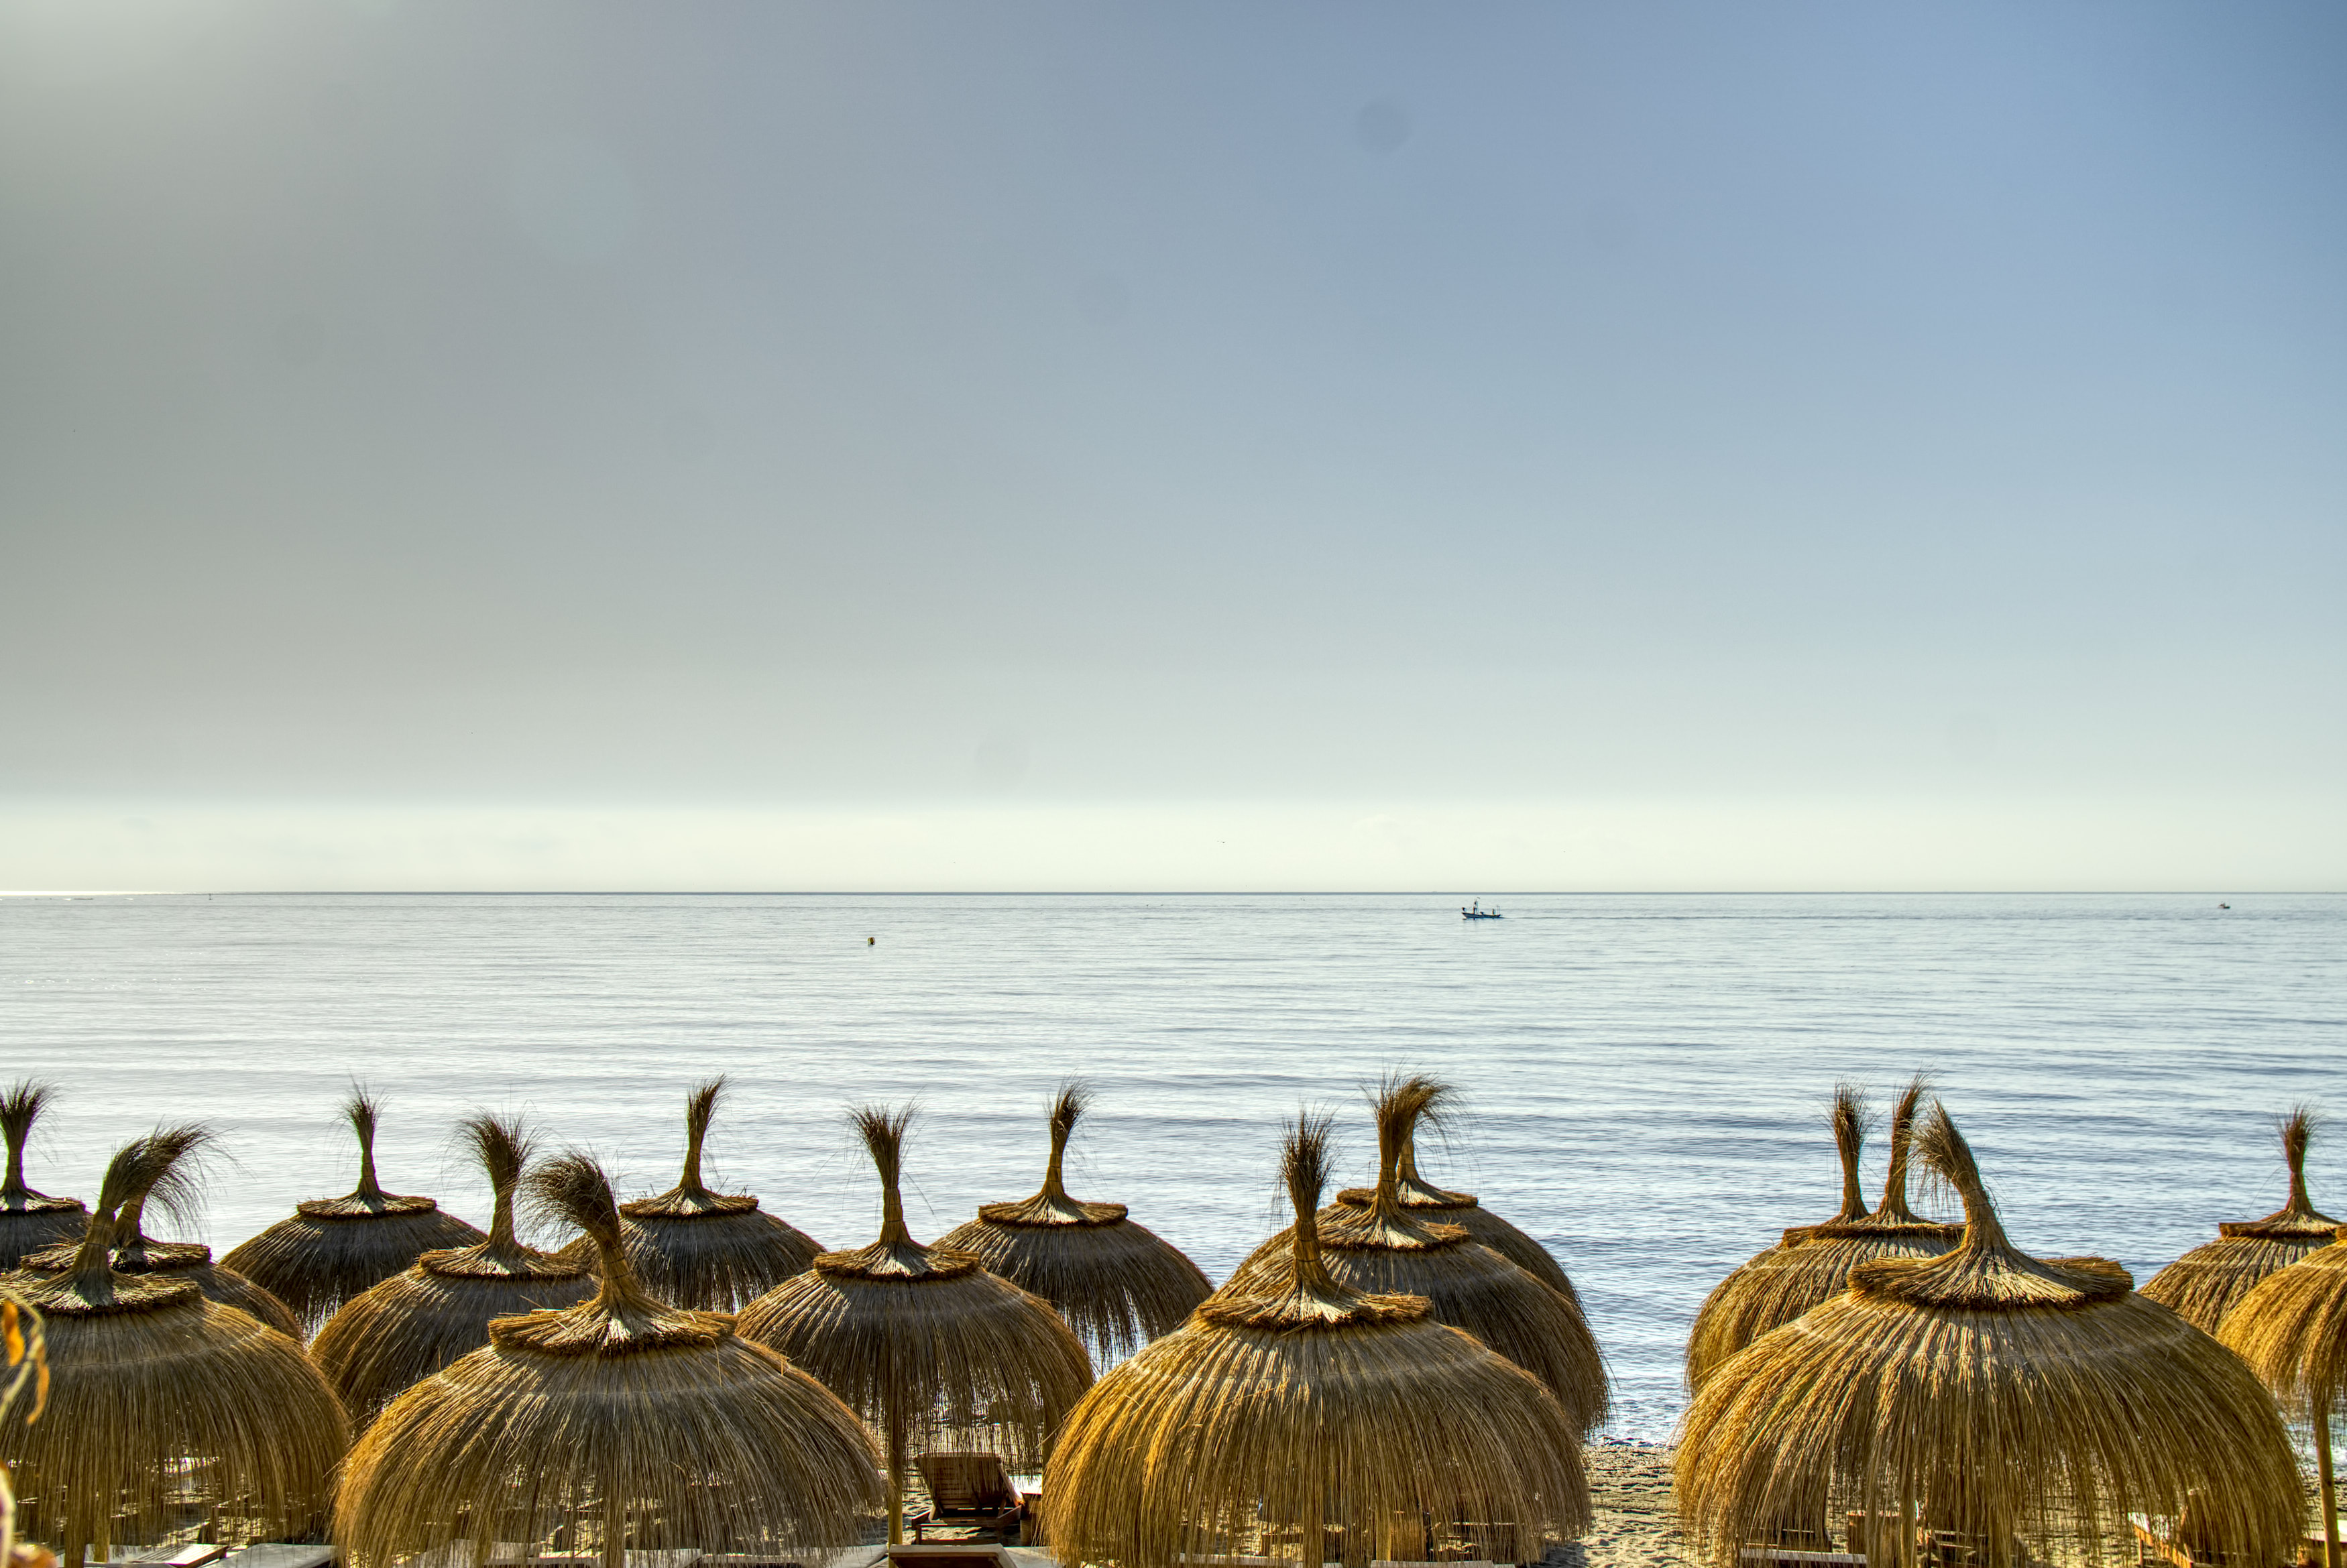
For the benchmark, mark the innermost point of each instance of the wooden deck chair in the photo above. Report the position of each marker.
(2185, 1545)
(970, 1492)
(281, 1554)
(951, 1554)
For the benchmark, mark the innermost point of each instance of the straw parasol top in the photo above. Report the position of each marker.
(1386, 1249)
(1846, 1114)
(29, 1220)
(921, 1341)
(1464, 1209)
(925, 1330)
(159, 1394)
(622, 1423)
(1300, 1402)
(2209, 1281)
(136, 1252)
(2292, 1328)
(708, 1250)
(332, 1248)
(1812, 1263)
(1990, 1394)
(1118, 1284)
(412, 1324)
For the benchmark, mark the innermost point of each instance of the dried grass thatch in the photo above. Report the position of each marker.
(2207, 1282)
(1997, 1396)
(1388, 1249)
(25, 1366)
(922, 1340)
(620, 1424)
(334, 1248)
(1812, 1263)
(136, 1252)
(2291, 1329)
(1298, 1403)
(1118, 1284)
(166, 1410)
(1464, 1209)
(30, 1220)
(713, 1252)
(412, 1324)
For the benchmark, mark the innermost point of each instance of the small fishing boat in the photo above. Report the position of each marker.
(1477, 911)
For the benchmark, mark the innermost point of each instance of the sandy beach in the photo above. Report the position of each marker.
(1633, 1522)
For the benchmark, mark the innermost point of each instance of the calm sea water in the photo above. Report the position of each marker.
(1644, 1075)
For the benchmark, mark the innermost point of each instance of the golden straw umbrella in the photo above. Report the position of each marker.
(1464, 1209)
(161, 1399)
(2291, 1329)
(921, 1341)
(620, 1424)
(136, 1252)
(1302, 1402)
(332, 1248)
(1387, 1248)
(1118, 1284)
(1846, 1116)
(405, 1329)
(26, 1365)
(714, 1252)
(1812, 1263)
(30, 1220)
(1991, 1396)
(2207, 1282)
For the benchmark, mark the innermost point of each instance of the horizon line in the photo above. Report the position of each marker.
(1155, 892)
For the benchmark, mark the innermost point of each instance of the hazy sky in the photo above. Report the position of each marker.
(1044, 446)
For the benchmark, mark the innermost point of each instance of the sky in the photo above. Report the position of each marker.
(1203, 445)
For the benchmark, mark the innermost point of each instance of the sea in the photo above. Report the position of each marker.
(1642, 1079)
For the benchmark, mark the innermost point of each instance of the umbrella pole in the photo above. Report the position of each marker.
(615, 1534)
(2325, 1480)
(896, 1475)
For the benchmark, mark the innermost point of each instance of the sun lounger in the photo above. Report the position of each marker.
(1473, 1541)
(971, 1492)
(951, 1554)
(2177, 1545)
(281, 1554)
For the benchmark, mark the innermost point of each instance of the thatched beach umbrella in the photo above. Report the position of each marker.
(24, 1371)
(2291, 1329)
(136, 1252)
(714, 1252)
(1386, 1248)
(403, 1330)
(619, 1424)
(332, 1248)
(159, 1397)
(1989, 1394)
(1464, 1209)
(2204, 1284)
(1118, 1284)
(1302, 1402)
(30, 1220)
(1847, 1118)
(1812, 1263)
(921, 1341)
